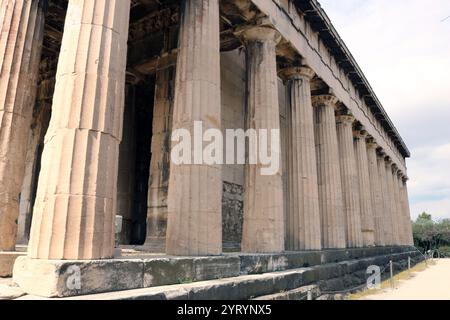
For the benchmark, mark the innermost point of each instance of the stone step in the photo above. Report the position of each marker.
(137, 270)
(246, 287)
(303, 293)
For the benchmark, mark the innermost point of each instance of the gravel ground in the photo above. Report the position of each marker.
(430, 284)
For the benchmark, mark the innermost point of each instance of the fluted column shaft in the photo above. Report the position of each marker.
(21, 37)
(303, 218)
(385, 205)
(398, 214)
(392, 203)
(402, 213)
(195, 190)
(400, 209)
(362, 163)
(350, 187)
(409, 239)
(377, 194)
(329, 174)
(76, 198)
(263, 229)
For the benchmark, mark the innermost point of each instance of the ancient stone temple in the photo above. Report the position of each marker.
(90, 94)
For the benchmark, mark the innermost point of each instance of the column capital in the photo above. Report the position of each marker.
(260, 33)
(381, 153)
(395, 168)
(325, 100)
(372, 143)
(388, 161)
(297, 73)
(345, 118)
(360, 133)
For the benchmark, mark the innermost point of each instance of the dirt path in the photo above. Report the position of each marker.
(430, 284)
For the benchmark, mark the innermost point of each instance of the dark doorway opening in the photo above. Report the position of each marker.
(134, 161)
(144, 100)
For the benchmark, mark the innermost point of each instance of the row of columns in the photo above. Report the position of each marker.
(336, 180)
(354, 210)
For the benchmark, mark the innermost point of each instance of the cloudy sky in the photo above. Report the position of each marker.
(403, 47)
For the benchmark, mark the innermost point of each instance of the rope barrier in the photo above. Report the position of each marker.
(383, 271)
(430, 255)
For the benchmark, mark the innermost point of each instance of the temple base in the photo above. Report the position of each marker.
(81, 278)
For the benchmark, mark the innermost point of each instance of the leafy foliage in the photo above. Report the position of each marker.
(431, 235)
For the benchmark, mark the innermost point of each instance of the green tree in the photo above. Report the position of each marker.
(424, 232)
(431, 235)
(424, 217)
(443, 232)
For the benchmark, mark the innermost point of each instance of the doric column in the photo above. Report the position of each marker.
(402, 214)
(263, 229)
(195, 190)
(303, 217)
(350, 186)
(365, 198)
(76, 198)
(400, 217)
(385, 205)
(22, 30)
(392, 203)
(160, 162)
(377, 193)
(329, 173)
(409, 240)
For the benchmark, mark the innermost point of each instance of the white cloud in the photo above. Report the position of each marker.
(430, 172)
(403, 48)
(438, 209)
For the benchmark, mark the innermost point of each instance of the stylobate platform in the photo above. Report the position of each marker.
(139, 270)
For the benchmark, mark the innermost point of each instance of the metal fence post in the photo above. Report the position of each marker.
(391, 265)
